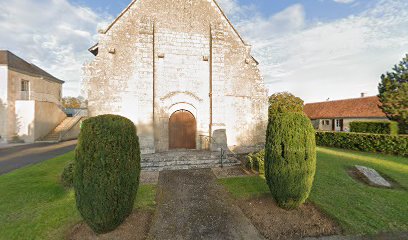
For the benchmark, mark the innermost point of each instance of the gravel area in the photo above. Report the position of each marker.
(135, 227)
(149, 177)
(276, 223)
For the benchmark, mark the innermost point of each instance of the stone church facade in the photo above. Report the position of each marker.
(182, 73)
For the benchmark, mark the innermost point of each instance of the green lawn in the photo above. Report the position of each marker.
(33, 204)
(359, 209)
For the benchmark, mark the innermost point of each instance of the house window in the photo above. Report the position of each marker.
(327, 122)
(25, 86)
(25, 90)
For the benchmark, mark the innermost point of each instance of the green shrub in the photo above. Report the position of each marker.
(382, 143)
(379, 127)
(256, 162)
(290, 158)
(67, 176)
(284, 102)
(107, 169)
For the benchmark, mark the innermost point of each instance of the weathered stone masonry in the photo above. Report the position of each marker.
(159, 57)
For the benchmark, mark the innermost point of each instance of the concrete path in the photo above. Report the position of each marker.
(192, 206)
(15, 157)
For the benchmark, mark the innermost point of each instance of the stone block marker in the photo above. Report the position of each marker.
(373, 176)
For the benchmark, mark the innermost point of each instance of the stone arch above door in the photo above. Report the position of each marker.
(183, 106)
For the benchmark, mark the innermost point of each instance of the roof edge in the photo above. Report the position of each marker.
(214, 1)
(54, 79)
(10, 55)
(339, 100)
(119, 16)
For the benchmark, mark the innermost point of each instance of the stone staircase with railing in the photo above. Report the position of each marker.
(57, 134)
(186, 159)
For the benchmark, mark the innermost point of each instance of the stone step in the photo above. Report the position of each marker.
(187, 166)
(185, 159)
(202, 161)
(167, 159)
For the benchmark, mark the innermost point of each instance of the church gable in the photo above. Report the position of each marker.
(162, 57)
(180, 15)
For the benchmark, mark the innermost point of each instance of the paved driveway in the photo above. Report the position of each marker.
(191, 205)
(15, 157)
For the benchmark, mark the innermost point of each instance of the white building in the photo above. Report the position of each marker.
(182, 73)
(337, 115)
(30, 100)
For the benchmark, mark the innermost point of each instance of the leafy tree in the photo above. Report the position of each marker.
(73, 102)
(393, 95)
(284, 102)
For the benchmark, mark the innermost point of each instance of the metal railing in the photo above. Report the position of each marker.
(223, 151)
(25, 95)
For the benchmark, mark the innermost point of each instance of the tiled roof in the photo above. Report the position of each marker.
(18, 64)
(365, 107)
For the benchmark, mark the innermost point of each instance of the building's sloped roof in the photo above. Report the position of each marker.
(18, 64)
(365, 107)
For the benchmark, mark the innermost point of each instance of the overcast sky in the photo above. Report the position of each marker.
(316, 49)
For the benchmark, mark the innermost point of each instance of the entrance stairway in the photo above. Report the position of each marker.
(58, 133)
(186, 159)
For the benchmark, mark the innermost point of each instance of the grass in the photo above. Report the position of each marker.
(34, 205)
(358, 208)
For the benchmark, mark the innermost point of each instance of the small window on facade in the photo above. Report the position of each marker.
(25, 86)
(327, 122)
(323, 122)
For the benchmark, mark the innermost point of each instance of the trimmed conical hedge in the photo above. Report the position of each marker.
(107, 169)
(290, 159)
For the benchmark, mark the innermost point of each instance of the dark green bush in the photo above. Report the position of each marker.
(107, 169)
(256, 162)
(382, 143)
(290, 158)
(379, 127)
(67, 176)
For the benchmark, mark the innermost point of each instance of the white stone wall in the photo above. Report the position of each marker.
(3, 102)
(160, 57)
(25, 120)
(182, 77)
(35, 119)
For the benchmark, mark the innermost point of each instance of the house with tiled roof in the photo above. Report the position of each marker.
(337, 115)
(30, 100)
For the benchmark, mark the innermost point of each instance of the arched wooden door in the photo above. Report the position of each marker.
(182, 130)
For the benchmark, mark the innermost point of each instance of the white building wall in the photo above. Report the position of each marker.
(25, 120)
(3, 102)
(156, 59)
